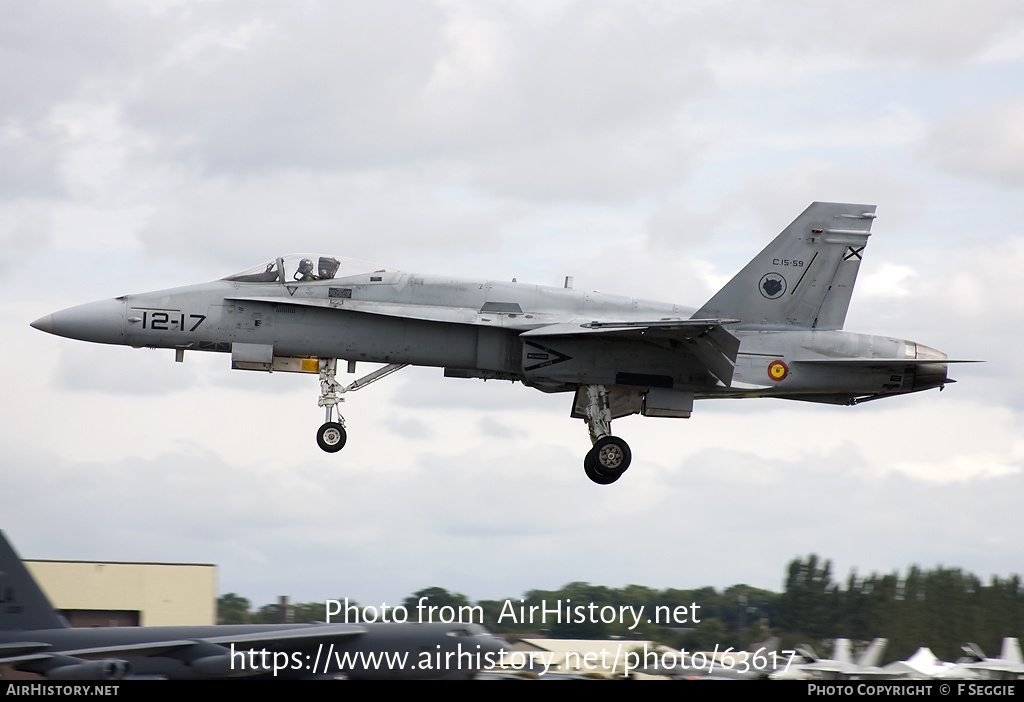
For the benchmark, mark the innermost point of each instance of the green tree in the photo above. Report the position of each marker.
(306, 612)
(233, 609)
(808, 607)
(438, 598)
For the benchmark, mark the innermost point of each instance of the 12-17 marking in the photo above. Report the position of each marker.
(164, 321)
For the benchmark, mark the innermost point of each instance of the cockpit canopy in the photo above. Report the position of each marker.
(299, 268)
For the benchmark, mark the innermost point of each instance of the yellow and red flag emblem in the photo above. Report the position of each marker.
(777, 370)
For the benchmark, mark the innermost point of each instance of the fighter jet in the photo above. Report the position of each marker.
(36, 641)
(775, 330)
(841, 666)
(925, 665)
(1009, 665)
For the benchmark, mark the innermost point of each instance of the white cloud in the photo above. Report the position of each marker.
(984, 143)
(889, 280)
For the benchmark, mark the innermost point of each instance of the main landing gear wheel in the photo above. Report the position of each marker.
(594, 474)
(612, 454)
(610, 457)
(331, 437)
(608, 460)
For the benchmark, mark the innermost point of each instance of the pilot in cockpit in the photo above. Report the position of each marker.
(305, 270)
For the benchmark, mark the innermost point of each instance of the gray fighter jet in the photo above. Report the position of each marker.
(841, 666)
(36, 640)
(1009, 665)
(775, 330)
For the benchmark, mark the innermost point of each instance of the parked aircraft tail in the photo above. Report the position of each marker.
(1011, 650)
(872, 655)
(842, 651)
(804, 278)
(23, 604)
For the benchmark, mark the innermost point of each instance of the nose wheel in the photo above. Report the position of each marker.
(331, 437)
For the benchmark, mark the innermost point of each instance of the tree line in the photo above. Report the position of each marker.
(940, 608)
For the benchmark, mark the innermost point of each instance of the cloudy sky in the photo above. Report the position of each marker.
(646, 148)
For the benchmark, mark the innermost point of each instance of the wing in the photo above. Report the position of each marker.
(205, 655)
(711, 343)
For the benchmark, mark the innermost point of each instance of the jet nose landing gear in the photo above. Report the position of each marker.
(331, 436)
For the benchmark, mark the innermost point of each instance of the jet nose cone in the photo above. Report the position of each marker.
(44, 324)
(102, 322)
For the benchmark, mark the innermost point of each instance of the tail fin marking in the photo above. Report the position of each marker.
(804, 278)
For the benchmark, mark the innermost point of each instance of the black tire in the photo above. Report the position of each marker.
(331, 437)
(611, 455)
(593, 472)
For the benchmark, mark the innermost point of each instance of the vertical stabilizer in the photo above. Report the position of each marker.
(803, 279)
(872, 655)
(23, 605)
(841, 651)
(1011, 650)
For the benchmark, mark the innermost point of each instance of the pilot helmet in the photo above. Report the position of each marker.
(305, 267)
(328, 266)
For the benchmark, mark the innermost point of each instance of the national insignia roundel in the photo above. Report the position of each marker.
(777, 370)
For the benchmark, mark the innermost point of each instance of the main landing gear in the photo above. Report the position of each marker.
(331, 436)
(609, 458)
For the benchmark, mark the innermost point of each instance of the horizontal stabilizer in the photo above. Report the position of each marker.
(708, 340)
(662, 328)
(660, 324)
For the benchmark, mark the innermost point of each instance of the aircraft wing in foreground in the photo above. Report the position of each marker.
(37, 642)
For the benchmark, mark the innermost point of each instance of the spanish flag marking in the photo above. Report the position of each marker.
(777, 370)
